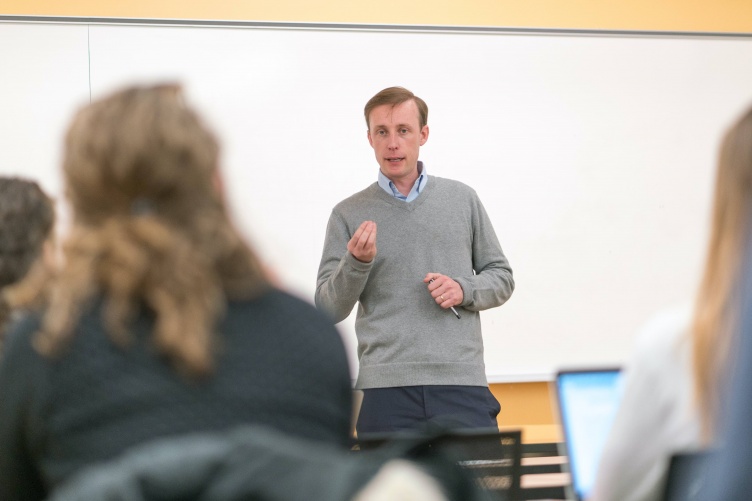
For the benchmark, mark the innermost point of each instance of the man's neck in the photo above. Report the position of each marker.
(404, 185)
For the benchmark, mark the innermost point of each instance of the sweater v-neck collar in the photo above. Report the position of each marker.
(401, 204)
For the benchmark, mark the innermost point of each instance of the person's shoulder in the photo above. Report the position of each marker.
(445, 182)
(283, 321)
(451, 186)
(667, 327)
(664, 339)
(289, 299)
(17, 345)
(282, 306)
(357, 199)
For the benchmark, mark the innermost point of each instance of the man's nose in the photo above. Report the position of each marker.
(392, 142)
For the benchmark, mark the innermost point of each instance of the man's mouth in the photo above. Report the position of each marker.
(395, 159)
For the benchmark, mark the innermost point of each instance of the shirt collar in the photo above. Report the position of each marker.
(417, 189)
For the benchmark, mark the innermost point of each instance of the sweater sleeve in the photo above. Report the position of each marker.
(19, 478)
(492, 284)
(341, 278)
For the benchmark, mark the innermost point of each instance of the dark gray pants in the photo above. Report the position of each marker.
(415, 407)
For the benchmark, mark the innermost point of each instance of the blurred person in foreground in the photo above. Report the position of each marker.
(727, 475)
(673, 381)
(160, 322)
(27, 218)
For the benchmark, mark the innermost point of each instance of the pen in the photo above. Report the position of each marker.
(451, 307)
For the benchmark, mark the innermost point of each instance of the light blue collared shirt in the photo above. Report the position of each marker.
(416, 190)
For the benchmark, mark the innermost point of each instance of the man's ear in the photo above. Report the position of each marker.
(423, 135)
(370, 141)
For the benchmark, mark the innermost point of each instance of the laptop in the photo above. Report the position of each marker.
(587, 401)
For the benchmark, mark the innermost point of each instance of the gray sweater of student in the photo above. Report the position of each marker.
(404, 337)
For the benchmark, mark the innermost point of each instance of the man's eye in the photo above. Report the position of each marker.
(403, 131)
(381, 132)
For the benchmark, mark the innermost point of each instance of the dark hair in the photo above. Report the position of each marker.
(27, 216)
(394, 96)
(26, 219)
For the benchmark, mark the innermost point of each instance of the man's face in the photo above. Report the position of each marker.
(396, 137)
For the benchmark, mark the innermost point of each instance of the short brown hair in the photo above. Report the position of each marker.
(394, 96)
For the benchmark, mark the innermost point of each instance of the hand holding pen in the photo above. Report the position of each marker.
(445, 291)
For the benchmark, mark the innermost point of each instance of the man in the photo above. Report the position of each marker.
(436, 264)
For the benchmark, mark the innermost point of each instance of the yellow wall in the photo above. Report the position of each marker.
(660, 15)
(530, 407)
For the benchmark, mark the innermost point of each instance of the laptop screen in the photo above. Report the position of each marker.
(588, 400)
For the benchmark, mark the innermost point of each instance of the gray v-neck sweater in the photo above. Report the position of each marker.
(404, 337)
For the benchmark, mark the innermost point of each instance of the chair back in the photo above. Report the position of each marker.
(687, 476)
(491, 458)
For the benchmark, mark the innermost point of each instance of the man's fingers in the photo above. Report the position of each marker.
(372, 236)
(361, 234)
(431, 277)
(444, 290)
(362, 245)
(367, 238)
(362, 229)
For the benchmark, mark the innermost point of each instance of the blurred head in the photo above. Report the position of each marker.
(27, 216)
(149, 225)
(138, 152)
(715, 311)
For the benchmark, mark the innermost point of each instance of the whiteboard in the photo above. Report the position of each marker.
(44, 75)
(593, 154)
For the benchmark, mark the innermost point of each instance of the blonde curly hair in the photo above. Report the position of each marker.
(150, 228)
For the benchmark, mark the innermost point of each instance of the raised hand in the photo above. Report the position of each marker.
(362, 245)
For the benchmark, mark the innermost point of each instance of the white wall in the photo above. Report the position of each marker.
(44, 75)
(594, 155)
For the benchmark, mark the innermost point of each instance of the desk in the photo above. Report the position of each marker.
(541, 475)
(548, 486)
